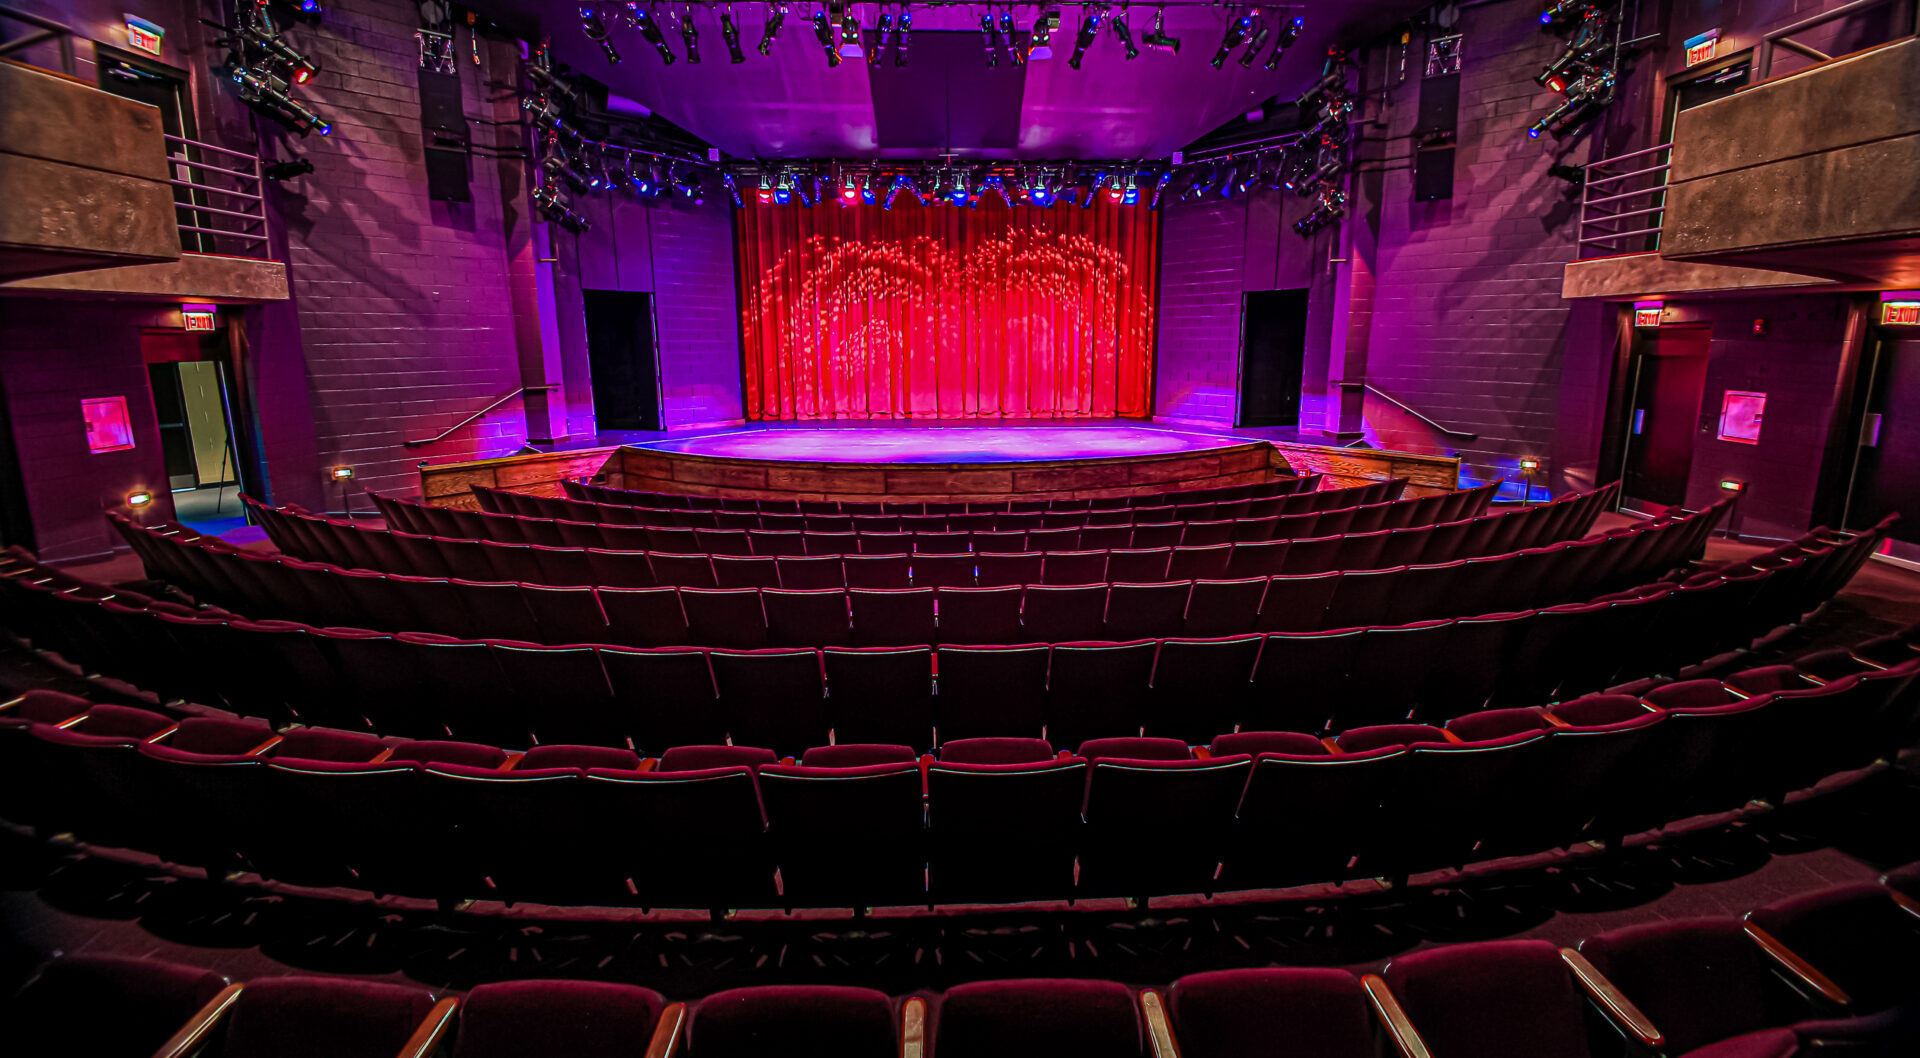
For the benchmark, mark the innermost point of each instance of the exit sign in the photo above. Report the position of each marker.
(1900, 313)
(1703, 47)
(1648, 313)
(143, 35)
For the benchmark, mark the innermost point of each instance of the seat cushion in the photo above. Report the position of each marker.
(1362, 739)
(1770, 1043)
(58, 1012)
(1136, 749)
(1700, 980)
(578, 757)
(1293, 743)
(805, 1021)
(1497, 999)
(1286, 1013)
(580, 1019)
(701, 758)
(1037, 1018)
(323, 1017)
(996, 751)
(857, 755)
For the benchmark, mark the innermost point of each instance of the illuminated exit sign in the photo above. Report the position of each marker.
(1900, 313)
(197, 317)
(143, 35)
(1648, 313)
(1703, 47)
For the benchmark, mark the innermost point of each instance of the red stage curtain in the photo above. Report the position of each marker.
(857, 312)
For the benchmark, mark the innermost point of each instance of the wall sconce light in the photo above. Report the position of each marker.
(1529, 464)
(1732, 485)
(342, 473)
(139, 498)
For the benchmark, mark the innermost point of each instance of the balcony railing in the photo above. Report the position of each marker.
(45, 31)
(1889, 20)
(218, 199)
(1621, 202)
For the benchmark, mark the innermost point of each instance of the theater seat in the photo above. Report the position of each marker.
(856, 755)
(582, 757)
(108, 1006)
(700, 758)
(1038, 1018)
(1257, 742)
(801, 1021)
(1136, 749)
(1495, 999)
(1284, 1013)
(1701, 980)
(1858, 936)
(579, 1019)
(996, 751)
(333, 1017)
(1364, 739)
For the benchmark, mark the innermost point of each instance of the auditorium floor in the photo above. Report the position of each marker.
(1850, 830)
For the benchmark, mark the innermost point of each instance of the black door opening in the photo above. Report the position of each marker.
(1665, 415)
(1273, 345)
(620, 351)
(1887, 477)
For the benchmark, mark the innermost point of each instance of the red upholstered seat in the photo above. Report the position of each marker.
(323, 1017)
(1038, 1018)
(806, 1021)
(1284, 1013)
(1496, 999)
(580, 1019)
(105, 1006)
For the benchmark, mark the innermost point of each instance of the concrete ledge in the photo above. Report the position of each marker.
(194, 277)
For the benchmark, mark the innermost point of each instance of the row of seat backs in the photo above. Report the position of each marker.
(747, 617)
(1687, 983)
(1392, 799)
(1193, 688)
(892, 535)
(353, 547)
(1288, 484)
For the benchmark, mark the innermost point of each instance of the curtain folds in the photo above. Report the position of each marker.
(947, 312)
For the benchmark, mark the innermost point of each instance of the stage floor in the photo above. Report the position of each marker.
(928, 443)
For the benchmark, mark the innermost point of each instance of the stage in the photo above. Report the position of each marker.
(932, 460)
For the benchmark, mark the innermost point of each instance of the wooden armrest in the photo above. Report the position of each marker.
(161, 735)
(666, 1034)
(1159, 1031)
(381, 757)
(787, 761)
(1065, 754)
(648, 764)
(1868, 662)
(1333, 747)
(195, 1031)
(513, 761)
(1202, 753)
(1554, 721)
(1736, 692)
(1451, 737)
(426, 1039)
(913, 1028)
(71, 721)
(265, 746)
(1612, 1002)
(11, 702)
(1907, 903)
(1406, 1040)
(1796, 967)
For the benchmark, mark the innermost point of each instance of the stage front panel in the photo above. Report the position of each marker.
(945, 311)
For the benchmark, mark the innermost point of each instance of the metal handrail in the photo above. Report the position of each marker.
(1599, 233)
(198, 218)
(58, 32)
(421, 442)
(1780, 38)
(1408, 408)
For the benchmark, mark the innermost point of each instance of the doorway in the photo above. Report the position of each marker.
(1704, 88)
(620, 353)
(192, 400)
(1273, 346)
(1887, 476)
(160, 85)
(1664, 415)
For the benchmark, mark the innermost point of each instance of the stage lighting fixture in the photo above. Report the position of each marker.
(961, 194)
(649, 28)
(1039, 191)
(1569, 67)
(550, 83)
(1160, 188)
(1131, 196)
(866, 189)
(850, 35)
(1120, 30)
(1283, 40)
(596, 32)
(783, 190)
(1041, 46)
(1254, 44)
(1089, 29)
(823, 32)
(990, 35)
(288, 169)
(1157, 39)
(730, 32)
(1585, 98)
(1237, 30)
(267, 94)
(1014, 54)
(1250, 178)
(776, 16)
(733, 190)
(552, 205)
(849, 188)
(686, 181)
(690, 36)
(893, 192)
(880, 27)
(1330, 207)
(902, 34)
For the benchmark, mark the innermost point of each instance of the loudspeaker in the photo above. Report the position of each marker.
(1432, 173)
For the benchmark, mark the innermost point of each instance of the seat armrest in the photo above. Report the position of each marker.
(1801, 971)
(1202, 753)
(1406, 1039)
(161, 735)
(1159, 1029)
(427, 1038)
(913, 1028)
(200, 1026)
(666, 1034)
(1612, 1002)
(513, 761)
(261, 749)
(1907, 903)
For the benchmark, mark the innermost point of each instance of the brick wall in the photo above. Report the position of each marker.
(1202, 268)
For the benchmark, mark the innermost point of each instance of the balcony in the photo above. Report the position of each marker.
(96, 200)
(1798, 184)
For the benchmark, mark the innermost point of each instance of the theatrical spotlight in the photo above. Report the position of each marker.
(1237, 30)
(551, 83)
(730, 32)
(850, 35)
(1585, 98)
(1038, 190)
(990, 35)
(733, 190)
(1041, 46)
(294, 167)
(1330, 207)
(902, 33)
(823, 32)
(1014, 54)
(267, 95)
(690, 36)
(776, 17)
(866, 190)
(1089, 29)
(552, 204)
(596, 32)
(1259, 40)
(899, 183)
(686, 181)
(1130, 196)
(1157, 39)
(643, 181)
(1159, 189)
(1120, 30)
(649, 28)
(1569, 67)
(1284, 40)
(880, 27)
